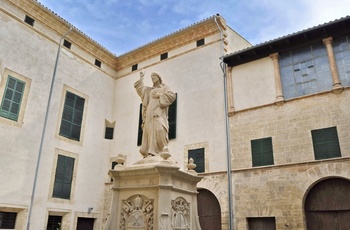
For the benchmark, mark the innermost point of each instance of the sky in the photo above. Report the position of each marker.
(124, 25)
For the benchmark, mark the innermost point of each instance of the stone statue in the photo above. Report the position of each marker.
(155, 105)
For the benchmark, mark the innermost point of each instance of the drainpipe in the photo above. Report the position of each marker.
(228, 143)
(44, 130)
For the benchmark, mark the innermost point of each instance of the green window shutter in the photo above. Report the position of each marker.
(325, 143)
(72, 116)
(11, 102)
(262, 152)
(63, 177)
(198, 157)
(172, 119)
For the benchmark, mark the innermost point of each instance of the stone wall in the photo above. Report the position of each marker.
(279, 190)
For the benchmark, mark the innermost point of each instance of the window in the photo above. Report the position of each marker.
(341, 47)
(7, 220)
(326, 143)
(72, 116)
(98, 63)
(200, 42)
(29, 20)
(63, 177)
(54, 222)
(109, 133)
(134, 67)
(258, 223)
(163, 56)
(12, 99)
(171, 119)
(305, 71)
(67, 43)
(198, 157)
(262, 153)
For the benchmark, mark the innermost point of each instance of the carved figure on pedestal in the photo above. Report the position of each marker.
(155, 105)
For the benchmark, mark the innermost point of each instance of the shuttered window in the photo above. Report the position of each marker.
(63, 177)
(11, 102)
(262, 153)
(72, 116)
(198, 157)
(171, 119)
(325, 143)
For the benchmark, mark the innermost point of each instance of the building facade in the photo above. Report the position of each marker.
(69, 109)
(290, 127)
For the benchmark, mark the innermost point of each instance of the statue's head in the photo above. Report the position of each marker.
(155, 77)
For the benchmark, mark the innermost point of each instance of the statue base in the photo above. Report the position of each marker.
(153, 194)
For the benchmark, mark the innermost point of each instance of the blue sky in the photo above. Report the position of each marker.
(124, 25)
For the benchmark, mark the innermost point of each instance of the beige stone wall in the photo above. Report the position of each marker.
(280, 190)
(290, 127)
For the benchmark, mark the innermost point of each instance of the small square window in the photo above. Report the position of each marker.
(29, 20)
(67, 43)
(98, 63)
(200, 42)
(262, 153)
(164, 56)
(109, 133)
(257, 223)
(134, 67)
(325, 143)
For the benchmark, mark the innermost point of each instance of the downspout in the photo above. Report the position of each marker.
(43, 131)
(228, 143)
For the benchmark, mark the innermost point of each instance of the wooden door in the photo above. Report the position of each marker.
(85, 223)
(209, 210)
(327, 205)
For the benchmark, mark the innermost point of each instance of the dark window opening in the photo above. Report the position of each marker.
(262, 152)
(67, 43)
(200, 42)
(54, 223)
(134, 67)
(8, 220)
(98, 63)
(258, 223)
(198, 157)
(164, 56)
(109, 133)
(29, 20)
(325, 143)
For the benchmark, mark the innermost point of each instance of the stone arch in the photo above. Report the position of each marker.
(327, 204)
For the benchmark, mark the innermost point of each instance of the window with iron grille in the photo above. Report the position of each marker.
(72, 116)
(7, 220)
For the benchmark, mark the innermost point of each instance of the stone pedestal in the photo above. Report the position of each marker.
(153, 194)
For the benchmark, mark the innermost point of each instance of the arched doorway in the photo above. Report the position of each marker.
(327, 205)
(209, 210)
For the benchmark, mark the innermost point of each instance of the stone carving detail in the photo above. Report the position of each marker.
(137, 213)
(180, 214)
